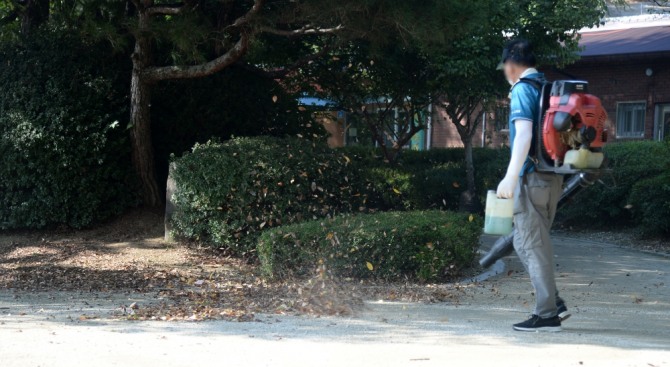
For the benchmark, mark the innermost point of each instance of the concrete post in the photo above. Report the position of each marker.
(170, 208)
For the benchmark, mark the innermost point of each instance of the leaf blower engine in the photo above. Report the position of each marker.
(569, 141)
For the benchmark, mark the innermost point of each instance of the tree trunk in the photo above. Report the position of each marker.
(33, 14)
(390, 154)
(469, 202)
(469, 164)
(140, 117)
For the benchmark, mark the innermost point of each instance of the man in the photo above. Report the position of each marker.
(535, 194)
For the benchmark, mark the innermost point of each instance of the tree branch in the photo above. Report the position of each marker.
(196, 71)
(301, 32)
(168, 10)
(283, 72)
(9, 18)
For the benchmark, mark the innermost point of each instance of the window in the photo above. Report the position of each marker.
(630, 119)
(501, 119)
(662, 122)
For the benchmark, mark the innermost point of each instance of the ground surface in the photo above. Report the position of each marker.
(620, 299)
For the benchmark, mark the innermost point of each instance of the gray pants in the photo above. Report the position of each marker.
(535, 201)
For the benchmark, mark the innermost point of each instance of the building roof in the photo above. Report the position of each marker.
(626, 41)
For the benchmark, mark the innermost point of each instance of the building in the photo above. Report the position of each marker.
(629, 70)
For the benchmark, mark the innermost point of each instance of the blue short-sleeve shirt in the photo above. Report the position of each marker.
(524, 105)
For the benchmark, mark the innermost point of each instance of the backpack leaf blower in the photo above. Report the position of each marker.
(568, 141)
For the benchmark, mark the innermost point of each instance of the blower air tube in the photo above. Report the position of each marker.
(504, 246)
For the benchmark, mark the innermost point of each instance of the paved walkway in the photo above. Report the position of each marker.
(620, 300)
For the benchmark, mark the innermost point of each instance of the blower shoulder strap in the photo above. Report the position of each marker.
(544, 88)
(535, 83)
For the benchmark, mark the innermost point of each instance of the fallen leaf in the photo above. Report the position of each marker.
(275, 99)
(456, 184)
(370, 266)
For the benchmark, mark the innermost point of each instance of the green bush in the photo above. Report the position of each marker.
(650, 201)
(63, 143)
(607, 205)
(227, 193)
(426, 245)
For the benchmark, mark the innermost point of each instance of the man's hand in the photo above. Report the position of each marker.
(507, 186)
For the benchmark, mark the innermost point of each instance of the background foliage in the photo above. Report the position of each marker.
(422, 180)
(234, 102)
(65, 154)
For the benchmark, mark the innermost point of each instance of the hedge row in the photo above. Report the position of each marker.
(423, 180)
(425, 245)
(228, 192)
(637, 193)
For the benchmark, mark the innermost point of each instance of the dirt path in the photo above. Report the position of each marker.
(620, 300)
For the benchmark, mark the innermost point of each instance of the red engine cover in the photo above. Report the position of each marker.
(586, 110)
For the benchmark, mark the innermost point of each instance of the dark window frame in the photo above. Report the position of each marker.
(631, 119)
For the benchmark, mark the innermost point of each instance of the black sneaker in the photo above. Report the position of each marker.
(563, 312)
(536, 323)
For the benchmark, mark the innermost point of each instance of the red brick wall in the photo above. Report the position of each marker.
(622, 79)
(444, 134)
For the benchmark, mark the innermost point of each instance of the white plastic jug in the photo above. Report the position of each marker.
(499, 215)
(583, 158)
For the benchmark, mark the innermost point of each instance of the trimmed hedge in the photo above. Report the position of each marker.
(650, 201)
(228, 192)
(64, 147)
(632, 163)
(426, 245)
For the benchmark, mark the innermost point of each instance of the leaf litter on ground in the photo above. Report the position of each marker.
(185, 282)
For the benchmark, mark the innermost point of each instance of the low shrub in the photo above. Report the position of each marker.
(425, 245)
(228, 192)
(650, 201)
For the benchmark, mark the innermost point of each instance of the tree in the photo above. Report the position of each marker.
(30, 14)
(385, 89)
(196, 38)
(467, 85)
(660, 6)
(389, 86)
(207, 36)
